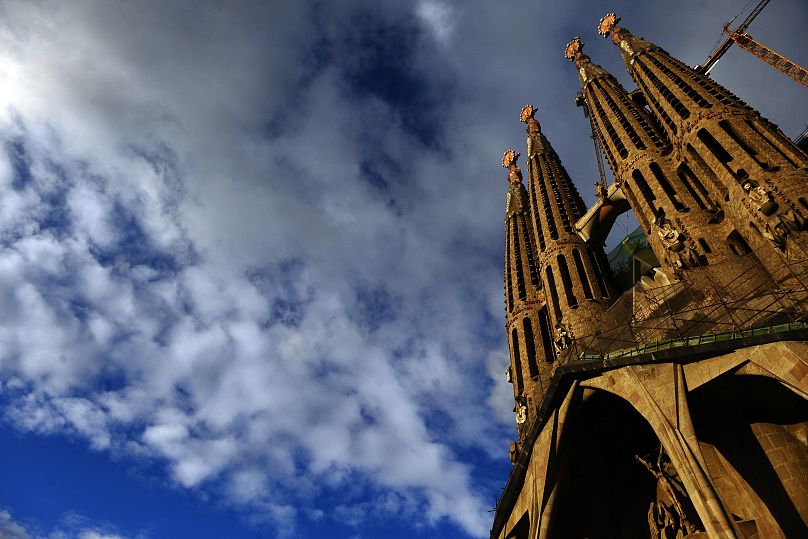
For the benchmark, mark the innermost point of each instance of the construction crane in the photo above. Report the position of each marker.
(745, 41)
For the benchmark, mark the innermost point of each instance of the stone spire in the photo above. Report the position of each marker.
(576, 275)
(526, 321)
(743, 161)
(679, 217)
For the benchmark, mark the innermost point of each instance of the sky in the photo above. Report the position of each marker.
(251, 252)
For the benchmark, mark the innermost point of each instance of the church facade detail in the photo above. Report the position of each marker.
(675, 406)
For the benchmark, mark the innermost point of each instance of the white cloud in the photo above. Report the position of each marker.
(228, 288)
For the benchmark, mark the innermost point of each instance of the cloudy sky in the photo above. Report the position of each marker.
(251, 252)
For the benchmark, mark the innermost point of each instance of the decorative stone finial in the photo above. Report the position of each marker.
(509, 158)
(528, 111)
(607, 22)
(573, 48)
(509, 161)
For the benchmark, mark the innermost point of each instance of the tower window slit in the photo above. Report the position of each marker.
(531, 260)
(738, 244)
(553, 292)
(621, 148)
(600, 277)
(579, 265)
(530, 348)
(705, 245)
(665, 92)
(641, 120)
(666, 186)
(517, 360)
(681, 83)
(546, 340)
(694, 186)
(606, 149)
(646, 191)
(660, 110)
(621, 117)
(715, 148)
(536, 215)
(737, 139)
(520, 272)
(772, 143)
(566, 281)
(548, 210)
(508, 278)
(705, 171)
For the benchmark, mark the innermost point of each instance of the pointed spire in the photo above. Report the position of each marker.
(517, 196)
(630, 45)
(587, 71)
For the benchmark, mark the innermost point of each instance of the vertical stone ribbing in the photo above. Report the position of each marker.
(576, 289)
(529, 333)
(680, 218)
(741, 159)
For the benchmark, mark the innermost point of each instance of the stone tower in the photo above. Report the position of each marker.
(678, 215)
(680, 408)
(527, 322)
(576, 276)
(727, 148)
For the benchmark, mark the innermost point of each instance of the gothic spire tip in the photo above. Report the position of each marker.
(607, 22)
(509, 158)
(527, 113)
(573, 47)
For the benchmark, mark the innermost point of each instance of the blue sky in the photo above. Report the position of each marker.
(251, 252)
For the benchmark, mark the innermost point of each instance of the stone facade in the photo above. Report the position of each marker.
(679, 409)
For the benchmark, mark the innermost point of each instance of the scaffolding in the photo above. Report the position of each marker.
(708, 304)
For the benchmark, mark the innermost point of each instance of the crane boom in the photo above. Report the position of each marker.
(777, 61)
(719, 52)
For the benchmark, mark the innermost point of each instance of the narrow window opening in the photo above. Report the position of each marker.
(714, 146)
(694, 186)
(517, 360)
(520, 272)
(705, 246)
(508, 277)
(579, 265)
(773, 143)
(737, 139)
(546, 340)
(566, 281)
(666, 186)
(738, 244)
(600, 277)
(530, 346)
(553, 293)
(646, 191)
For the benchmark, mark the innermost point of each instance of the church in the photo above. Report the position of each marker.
(668, 399)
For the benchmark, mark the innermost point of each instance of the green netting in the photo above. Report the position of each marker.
(632, 259)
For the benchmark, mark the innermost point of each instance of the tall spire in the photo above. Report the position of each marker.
(742, 160)
(679, 217)
(526, 320)
(576, 275)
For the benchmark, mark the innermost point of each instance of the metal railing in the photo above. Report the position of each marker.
(717, 302)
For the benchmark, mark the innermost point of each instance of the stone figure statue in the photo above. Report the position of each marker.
(533, 130)
(678, 253)
(780, 222)
(667, 517)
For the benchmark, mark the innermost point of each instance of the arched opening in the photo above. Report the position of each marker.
(753, 436)
(572, 301)
(579, 266)
(517, 360)
(546, 340)
(530, 348)
(603, 491)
